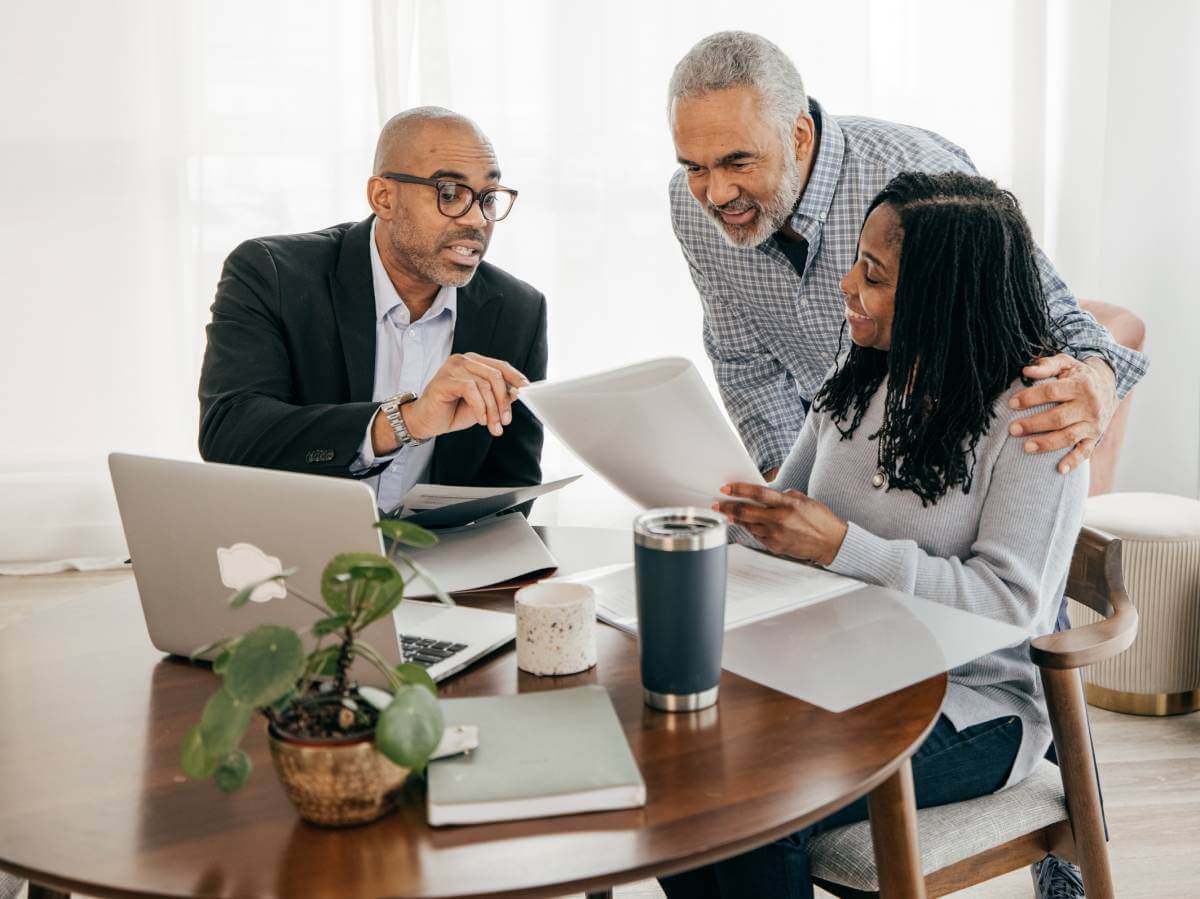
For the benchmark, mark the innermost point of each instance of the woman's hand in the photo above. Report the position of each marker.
(788, 524)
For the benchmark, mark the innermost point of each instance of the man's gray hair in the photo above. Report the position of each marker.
(734, 58)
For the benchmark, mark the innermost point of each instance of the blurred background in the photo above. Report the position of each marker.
(141, 141)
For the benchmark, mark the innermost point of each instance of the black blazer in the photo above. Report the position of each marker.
(290, 365)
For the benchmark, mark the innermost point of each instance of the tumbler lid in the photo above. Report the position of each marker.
(679, 528)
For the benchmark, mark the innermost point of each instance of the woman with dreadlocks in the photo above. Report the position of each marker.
(905, 475)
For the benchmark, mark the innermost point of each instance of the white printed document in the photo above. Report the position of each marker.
(652, 430)
(480, 555)
(758, 586)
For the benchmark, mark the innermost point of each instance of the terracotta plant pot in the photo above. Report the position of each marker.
(336, 783)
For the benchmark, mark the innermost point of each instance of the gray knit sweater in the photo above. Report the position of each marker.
(1003, 550)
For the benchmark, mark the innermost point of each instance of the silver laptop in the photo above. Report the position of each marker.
(198, 531)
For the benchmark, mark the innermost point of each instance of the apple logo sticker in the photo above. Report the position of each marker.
(245, 563)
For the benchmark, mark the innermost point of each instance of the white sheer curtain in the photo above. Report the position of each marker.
(144, 140)
(141, 141)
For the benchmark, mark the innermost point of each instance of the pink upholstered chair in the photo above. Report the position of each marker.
(1128, 330)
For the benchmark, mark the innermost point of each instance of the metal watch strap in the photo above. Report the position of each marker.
(391, 409)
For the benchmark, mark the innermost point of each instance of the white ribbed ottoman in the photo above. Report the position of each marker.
(1160, 554)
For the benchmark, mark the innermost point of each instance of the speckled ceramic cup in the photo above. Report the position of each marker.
(556, 628)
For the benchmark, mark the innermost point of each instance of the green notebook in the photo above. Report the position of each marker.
(556, 752)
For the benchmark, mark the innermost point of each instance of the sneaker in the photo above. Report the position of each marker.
(1056, 878)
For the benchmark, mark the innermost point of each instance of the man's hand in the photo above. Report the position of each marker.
(468, 389)
(788, 524)
(1085, 398)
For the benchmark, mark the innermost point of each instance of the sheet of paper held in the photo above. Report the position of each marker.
(480, 554)
(652, 430)
(758, 586)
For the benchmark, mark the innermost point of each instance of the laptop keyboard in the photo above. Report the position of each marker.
(425, 652)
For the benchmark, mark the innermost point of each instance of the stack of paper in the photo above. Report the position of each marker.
(758, 586)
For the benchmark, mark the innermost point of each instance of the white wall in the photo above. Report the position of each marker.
(1150, 256)
(1122, 151)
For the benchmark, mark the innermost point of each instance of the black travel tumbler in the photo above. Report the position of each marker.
(679, 564)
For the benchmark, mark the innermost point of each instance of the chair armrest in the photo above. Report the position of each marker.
(1097, 581)
(1087, 645)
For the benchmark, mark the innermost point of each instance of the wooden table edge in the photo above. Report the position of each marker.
(583, 885)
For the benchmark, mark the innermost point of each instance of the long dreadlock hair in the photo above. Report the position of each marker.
(970, 313)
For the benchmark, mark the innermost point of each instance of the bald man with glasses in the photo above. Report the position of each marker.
(385, 349)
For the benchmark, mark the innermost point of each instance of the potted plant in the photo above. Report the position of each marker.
(342, 750)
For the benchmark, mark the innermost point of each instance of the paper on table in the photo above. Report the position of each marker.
(481, 554)
(653, 430)
(861, 645)
(758, 586)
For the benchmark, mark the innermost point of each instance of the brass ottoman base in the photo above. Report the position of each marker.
(1157, 704)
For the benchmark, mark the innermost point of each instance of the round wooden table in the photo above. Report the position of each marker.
(94, 800)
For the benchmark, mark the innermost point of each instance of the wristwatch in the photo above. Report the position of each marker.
(391, 409)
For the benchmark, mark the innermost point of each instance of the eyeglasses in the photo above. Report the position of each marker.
(455, 200)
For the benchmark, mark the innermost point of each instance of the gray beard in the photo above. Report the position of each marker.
(772, 214)
(406, 243)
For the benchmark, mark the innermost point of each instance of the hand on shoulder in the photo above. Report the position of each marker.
(1082, 398)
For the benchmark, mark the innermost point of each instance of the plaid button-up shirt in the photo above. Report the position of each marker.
(772, 333)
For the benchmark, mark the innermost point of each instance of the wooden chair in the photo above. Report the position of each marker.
(1055, 810)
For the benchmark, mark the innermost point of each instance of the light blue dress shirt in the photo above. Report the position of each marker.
(407, 356)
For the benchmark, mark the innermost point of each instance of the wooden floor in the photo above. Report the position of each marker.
(1149, 768)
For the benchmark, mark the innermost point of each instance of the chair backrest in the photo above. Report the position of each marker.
(1096, 580)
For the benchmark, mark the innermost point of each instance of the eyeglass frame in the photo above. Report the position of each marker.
(475, 194)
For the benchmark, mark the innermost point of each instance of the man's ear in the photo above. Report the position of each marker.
(804, 137)
(381, 198)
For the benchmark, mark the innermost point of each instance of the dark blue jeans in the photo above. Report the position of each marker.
(950, 766)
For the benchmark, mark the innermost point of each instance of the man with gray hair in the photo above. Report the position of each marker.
(374, 349)
(767, 206)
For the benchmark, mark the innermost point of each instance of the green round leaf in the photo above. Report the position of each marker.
(221, 662)
(329, 625)
(223, 723)
(381, 600)
(406, 532)
(265, 664)
(416, 676)
(337, 578)
(410, 728)
(233, 771)
(197, 763)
